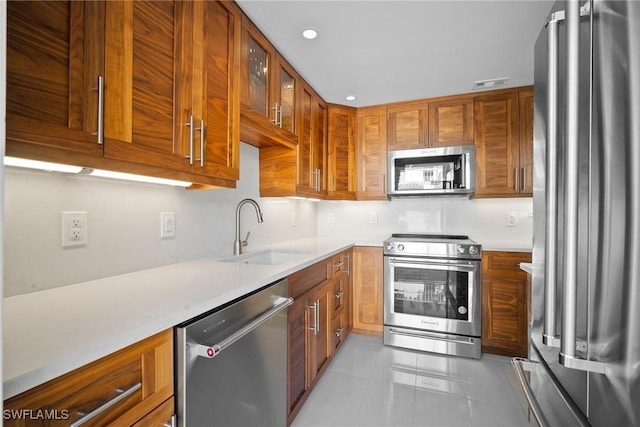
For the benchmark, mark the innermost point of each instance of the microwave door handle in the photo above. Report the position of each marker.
(568, 339)
(549, 336)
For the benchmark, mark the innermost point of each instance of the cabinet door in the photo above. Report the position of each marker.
(407, 126)
(297, 333)
(367, 289)
(258, 58)
(341, 153)
(216, 98)
(497, 144)
(451, 122)
(286, 89)
(526, 141)
(55, 53)
(504, 303)
(319, 330)
(312, 143)
(372, 154)
(338, 330)
(139, 83)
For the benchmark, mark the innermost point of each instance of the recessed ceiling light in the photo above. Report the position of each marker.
(351, 98)
(310, 33)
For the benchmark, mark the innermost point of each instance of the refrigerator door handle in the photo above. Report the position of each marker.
(570, 272)
(549, 335)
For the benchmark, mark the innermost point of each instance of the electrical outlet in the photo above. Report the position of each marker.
(512, 219)
(330, 217)
(167, 225)
(75, 231)
(373, 218)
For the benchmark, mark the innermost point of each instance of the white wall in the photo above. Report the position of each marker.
(124, 224)
(484, 220)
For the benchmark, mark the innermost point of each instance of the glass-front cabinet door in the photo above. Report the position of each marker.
(287, 95)
(258, 72)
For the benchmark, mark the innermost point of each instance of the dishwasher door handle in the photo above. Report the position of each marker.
(212, 351)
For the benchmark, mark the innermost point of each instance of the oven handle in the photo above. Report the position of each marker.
(447, 338)
(411, 262)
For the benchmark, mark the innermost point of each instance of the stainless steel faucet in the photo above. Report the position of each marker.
(238, 244)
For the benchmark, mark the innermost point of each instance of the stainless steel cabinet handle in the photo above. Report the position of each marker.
(191, 130)
(275, 115)
(516, 184)
(202, 133)
(122, 394)
(316, 317)
(339, 332)
(339, 294)
(549, 335)
(100, 129)
(212, 351)
(348, 270)
(171, 422)
(568, 339)
(338, 264)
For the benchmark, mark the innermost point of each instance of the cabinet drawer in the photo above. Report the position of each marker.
(339, 294)
(120, 388)
(312, 276)
(338, 330)
(340, 263)
(161, 416)
(504, 264)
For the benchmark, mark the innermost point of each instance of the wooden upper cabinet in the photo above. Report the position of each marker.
(161, 62)
(55, 54)
(371, 157)
(438, 122)
(341, 157)
(207, 118)
(451, 122)
(407, 125)
(269, 92)
(311, 161)
(503, 139)
(139, 83)
(526, 140)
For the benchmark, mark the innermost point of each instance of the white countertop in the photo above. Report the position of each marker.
(49, 333)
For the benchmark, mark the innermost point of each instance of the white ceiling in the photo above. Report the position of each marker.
(389, 50)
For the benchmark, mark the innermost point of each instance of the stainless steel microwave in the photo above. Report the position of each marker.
(432, 171)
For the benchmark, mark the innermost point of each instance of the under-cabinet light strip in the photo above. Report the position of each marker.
(58, 167)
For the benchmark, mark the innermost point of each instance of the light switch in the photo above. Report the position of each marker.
(167, 225)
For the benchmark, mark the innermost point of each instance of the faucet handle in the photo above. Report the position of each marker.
(245, 242)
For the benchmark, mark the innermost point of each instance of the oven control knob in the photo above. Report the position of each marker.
(401, 247)
(462, 310)
(460, 249)
(473, 250)
(389, 246)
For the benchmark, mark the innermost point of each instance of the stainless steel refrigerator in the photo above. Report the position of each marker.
(584, 361)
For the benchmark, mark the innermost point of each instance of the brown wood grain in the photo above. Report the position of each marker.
(149, 361)
(160, 416)
(504, 303)
(367, 289)
(341, 155)
(371, 157)
(407, 125)
(526, 108)
(451, 122)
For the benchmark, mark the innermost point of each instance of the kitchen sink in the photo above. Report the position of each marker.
(266, 257)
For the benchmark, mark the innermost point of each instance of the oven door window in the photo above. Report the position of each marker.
(433, 293)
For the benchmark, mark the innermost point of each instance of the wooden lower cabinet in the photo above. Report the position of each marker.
(367, 290)
(504, 303)
(318, 322)
(144, 371)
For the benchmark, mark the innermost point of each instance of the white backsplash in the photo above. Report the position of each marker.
(484, 220)
(124, 224)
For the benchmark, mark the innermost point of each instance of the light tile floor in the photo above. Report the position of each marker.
(369, 384)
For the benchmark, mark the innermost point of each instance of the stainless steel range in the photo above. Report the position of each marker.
(433, 293)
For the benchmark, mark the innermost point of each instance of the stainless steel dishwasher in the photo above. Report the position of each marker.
(232, 363)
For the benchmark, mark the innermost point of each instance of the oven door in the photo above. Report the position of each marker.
(437, 295)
